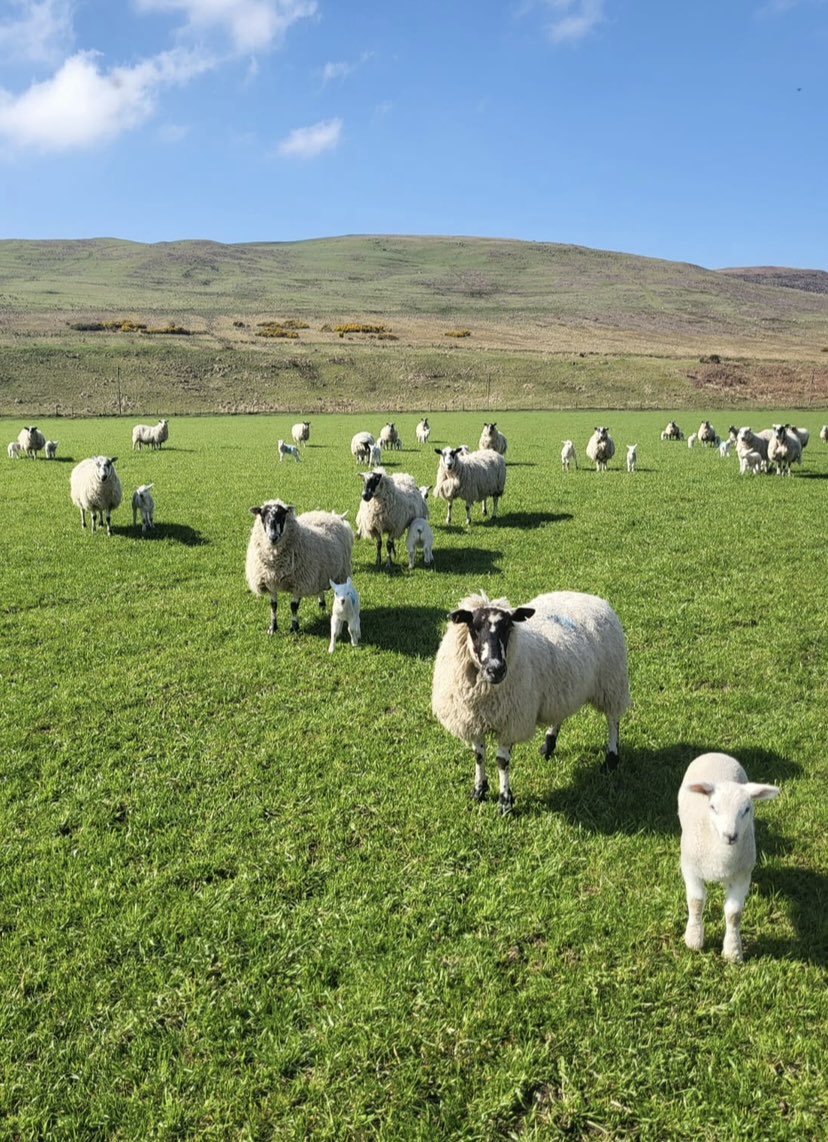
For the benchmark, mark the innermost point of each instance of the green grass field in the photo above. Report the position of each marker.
(245, 893)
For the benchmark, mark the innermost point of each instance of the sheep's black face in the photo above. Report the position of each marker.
(489, 629)
(372, 484)
(273, 517)
(104, 468)
(448, 457)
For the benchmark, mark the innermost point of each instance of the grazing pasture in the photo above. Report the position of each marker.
(244, 892)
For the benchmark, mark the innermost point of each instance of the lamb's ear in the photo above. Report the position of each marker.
(466, 617)
(521, 614)
(705, 787)
(332, 584)
(255, 511)
(761, 792)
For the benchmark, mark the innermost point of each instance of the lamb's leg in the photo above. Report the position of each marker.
(481, 785)
(613, 756)
(321, 600)
(274, 605)
(550, 741)
(336, 627)
(736, 894)
(355, 631)
(694, 932)
(294, 615)
(506, 801)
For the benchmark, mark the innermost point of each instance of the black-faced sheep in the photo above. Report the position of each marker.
(472, 477)
(388, 505)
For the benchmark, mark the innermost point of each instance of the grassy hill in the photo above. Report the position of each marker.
(465, 322)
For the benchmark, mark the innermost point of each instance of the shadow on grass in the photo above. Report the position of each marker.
(812, 475)
(807, 894)
(414, 631)
(527, 520)
(177, 532)
(468, 561)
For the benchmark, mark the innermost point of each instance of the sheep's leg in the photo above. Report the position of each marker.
(696, 893)
(83, 518)
(481, 785)
(550, 741)
(321, 600)
(392, 551)
(379, 552)
(506, 801)
(613, 756)
(274, 606)
(94, 522)
(736, 894)
(495, 502)
(485, 506)
(109, 522)
(468, 513)
(294, 615)
(448, 513)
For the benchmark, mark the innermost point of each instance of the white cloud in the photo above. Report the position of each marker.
(81, 106)
(342, 69)
(40, 33)
(252, 25)
(573, 19)
(308, 142)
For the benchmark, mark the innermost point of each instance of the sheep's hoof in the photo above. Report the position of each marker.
(610, 763)
(272, 628)
(506, 804)
(480, 791)
(548, 747)
(294, 628)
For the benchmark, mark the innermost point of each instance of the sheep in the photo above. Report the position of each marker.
(300, 433)
(490, 437)
(388, 435)
(389, 504)
(288, 450)
(803, 434)
(361, 446)
(143, 503)
(672, 432)
(344, 609)
(747, 440)
(715, 808)
(725, 448)
(706, 434)
(568, 455)
(31, 441)
(823, 434)
(420, 535)
(397, 444)
(471, 477)
(152, 434)
(94, 487)
(501, 670)
(600, 448)
(51, 449)
(691, 440)
(14, 450)
(423, 431)
(784, 449)
(632, 456)
(750, 461)
(296, 553)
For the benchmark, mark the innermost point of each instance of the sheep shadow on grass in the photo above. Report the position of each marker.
(528, 520)
(176, 532)
(806, 892)
(413, 631)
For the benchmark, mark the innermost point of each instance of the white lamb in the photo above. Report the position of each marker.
(51, 449)
(31, 441)
(600, 448)
(94, 487)
(375, 456)
(472, 477)
(691, 440)
(423, 431)
(300, 433)
(144, 505)
(784, 449)
(715, 806)
(361, 447)
(420, 535)
(297, 554)
(632, 456)
(750, 461)
(568, 455)
(344, 609)
(388, 505)
(14, 450)
(152, 434)
(503, 671)
(492, 438)
(725, 448)
(823, 434)
(288, 450)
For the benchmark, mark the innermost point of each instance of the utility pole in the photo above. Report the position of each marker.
(120, 410)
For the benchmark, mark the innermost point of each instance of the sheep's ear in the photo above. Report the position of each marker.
(255, 511)
(761, 792)
(462, 617)
(439, 451)
(705, 787)
(521, 614)
(113, 459)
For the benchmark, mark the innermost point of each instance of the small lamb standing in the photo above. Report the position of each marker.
(632, 456)
(502, 670)
(144, 505)
(298, 554)
(600, 448)
(492, 438)
(823, 434)
(94, 487)
(423, 431)
(388, 505)
(31, 441)
(300, 433)
(420, 535)
(344, 609)
(725, 448)
(568, 455)
(288, 450)
(715, 807)
(14, 450)
(750, 461)
(691, 440)
(51, 449)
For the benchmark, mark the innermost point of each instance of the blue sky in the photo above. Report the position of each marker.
(688, 131)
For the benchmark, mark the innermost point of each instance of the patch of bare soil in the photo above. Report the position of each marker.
(768, 382)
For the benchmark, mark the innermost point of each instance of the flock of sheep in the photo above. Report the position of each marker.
(500, 671)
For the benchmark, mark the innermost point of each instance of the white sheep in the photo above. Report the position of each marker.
(423, 431)
(784, 449)
(492, 438)
(503, 671)
(691, 440)
(420, 535)
(375, 456)
(361, 447)
(288, 450)
(725, 448)
(94, 487)
(51, 449)
(388, 435)
(750, 461)
(706, 434)
(144, 505)
(632, 457)
(747, 441)
(298, 554)
(300, 433)
(715, 807)
(804, 436)
(31, 441)
(388, 505)
(344, 609)
(823, 434)
(152, 434)
(14, 450)
(472, 477)
(672, 432)
(568, 455)
(600, 448)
